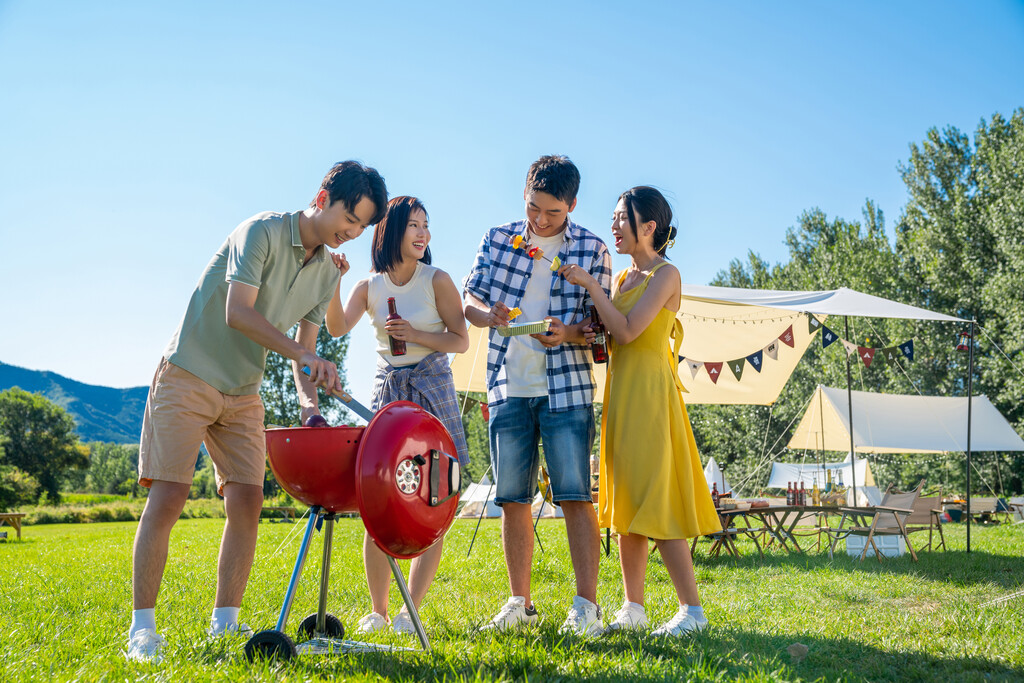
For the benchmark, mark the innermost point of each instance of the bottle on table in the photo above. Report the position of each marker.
(397, 345)
(714, 493)
(599, 348)
(816, 494)
(828, 481)
(789, 493)
(803, 495)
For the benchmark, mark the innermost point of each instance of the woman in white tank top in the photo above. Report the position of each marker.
(432, 326)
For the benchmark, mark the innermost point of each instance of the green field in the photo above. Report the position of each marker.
(65, 600)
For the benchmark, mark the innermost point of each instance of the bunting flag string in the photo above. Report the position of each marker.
(891, 355)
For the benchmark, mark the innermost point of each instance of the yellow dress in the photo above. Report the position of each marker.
(651, 480)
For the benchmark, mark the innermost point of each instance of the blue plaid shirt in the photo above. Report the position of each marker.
(500, 273)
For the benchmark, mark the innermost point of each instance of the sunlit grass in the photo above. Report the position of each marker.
(65, 600)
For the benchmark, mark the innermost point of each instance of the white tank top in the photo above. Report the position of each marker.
(414, 301)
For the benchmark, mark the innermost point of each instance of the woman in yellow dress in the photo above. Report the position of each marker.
(651, 485)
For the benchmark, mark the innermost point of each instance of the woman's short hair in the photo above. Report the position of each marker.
(386, 252)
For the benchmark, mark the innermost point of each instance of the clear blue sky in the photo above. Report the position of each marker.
(135, 136)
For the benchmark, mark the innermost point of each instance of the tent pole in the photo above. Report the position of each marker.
(849, 402)
(821, 450)
(970, 400)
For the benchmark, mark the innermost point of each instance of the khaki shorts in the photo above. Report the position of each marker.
(183, 411)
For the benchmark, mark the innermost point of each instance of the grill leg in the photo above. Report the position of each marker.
(289, 595)
(407, 597)
(325, 572)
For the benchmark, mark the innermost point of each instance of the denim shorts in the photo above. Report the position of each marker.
(516, 428)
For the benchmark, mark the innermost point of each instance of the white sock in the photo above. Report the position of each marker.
(696, 612)
(223, 617)
(142, 618)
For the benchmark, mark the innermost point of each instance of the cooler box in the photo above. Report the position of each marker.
(889, 546)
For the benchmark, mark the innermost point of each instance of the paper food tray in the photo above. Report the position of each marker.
(524, 328)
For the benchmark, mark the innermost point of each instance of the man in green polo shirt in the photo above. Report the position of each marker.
(271, 273)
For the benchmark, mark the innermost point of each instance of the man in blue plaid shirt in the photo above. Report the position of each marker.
(541, 386)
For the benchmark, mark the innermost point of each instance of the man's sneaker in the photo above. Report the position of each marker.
(236, 629)
(146, 646)
(371, 623)
(632, 617)
(513, 615)
(681, 624)
(402, 624)
(584, 619)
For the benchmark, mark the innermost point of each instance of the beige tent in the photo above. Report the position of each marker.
(892, 423)
(725, 325)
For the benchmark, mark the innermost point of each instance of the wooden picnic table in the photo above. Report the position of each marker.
(14, 519)
(287, 512)
(778, 522)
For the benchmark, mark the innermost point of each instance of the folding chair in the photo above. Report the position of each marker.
(887, 519)
(927, 516)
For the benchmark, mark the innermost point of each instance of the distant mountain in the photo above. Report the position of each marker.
(101, 413)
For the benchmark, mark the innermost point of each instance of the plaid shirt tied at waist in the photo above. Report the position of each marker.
(429, 384)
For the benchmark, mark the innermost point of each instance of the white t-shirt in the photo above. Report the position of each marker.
(526, 358)
(414, 301)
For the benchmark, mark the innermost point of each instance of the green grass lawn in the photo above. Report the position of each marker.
(65, 599)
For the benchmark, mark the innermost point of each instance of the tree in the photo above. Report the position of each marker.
(959, 250)
(16, 487)
(39, 439)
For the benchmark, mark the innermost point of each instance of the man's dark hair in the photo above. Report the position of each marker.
(556, 175)
(350, 181)
(386, 251)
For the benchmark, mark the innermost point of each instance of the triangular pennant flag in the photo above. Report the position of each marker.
(866, 354)
(850, 347)
(787, 337)
(891, 354)
(695, 366)
(907, 349)
(737, 367)
(680, 359)
(755, 360)
(714, 371)
(772, 350)
(813, 324)
(827, 337)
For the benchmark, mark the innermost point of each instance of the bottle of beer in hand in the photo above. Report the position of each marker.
(600, 346)
(397, 345)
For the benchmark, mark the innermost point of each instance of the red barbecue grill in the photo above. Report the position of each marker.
(397, 472)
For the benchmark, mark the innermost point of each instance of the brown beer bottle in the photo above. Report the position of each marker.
(397, 345)
(600, 346)
(803, 494)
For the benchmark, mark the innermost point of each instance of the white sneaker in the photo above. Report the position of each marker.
(681, 624)
(371, 623)
(402, 624)
(632, 617)
(236, 629)
(514, 614)
(584, 619)
(146, 646)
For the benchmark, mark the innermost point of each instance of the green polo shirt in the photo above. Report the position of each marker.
(264, 252)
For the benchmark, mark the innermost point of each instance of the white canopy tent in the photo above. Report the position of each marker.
(713, 475)
(477, 497)
(894, 423)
